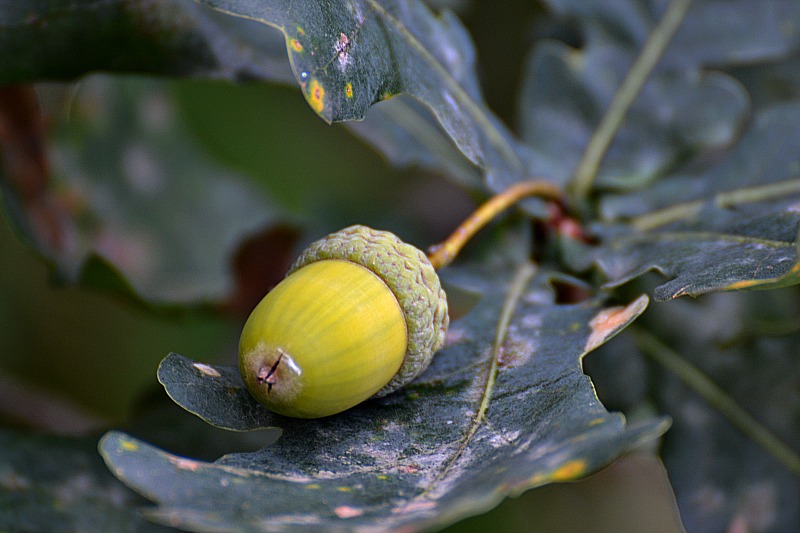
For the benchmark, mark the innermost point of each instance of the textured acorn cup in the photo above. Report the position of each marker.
(359, 314)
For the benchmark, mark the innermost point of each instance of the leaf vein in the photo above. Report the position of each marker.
(696, 236)
(517, 288)
(454, 87)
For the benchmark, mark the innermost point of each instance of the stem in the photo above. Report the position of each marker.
(516, 290)
(719, 399)
(443, 254)
(742, 196)
(625, 96)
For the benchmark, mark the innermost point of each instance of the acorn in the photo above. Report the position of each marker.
(359, 315)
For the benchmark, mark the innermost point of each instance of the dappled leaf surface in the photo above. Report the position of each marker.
(733, 225)
(129, 188)
(175, 38)
(59, 484)
(216, 394)
(418, 458)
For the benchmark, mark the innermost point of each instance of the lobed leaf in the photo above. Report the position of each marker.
(735, 225)
(683, 111)
(753, 358)
(182, 38)
(497, 413)
(712, 32)
(214, 393)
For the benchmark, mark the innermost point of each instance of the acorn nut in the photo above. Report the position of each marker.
(360, 314)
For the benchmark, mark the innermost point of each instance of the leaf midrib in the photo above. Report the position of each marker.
(727, 199)
(700, 237)
(473, 109)
(521, 279)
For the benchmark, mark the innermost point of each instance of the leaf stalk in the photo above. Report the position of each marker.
(723, 200)
(717, 398)
(630, 88)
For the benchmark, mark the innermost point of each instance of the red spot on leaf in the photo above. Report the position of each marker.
(345, 511)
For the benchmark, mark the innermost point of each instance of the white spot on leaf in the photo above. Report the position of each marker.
(207, 370)
(342, 48)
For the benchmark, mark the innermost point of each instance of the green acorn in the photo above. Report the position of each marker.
(360, 314)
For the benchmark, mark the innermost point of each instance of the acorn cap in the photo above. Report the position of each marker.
(410, 276)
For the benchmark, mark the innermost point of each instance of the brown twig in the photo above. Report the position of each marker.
(443, 253)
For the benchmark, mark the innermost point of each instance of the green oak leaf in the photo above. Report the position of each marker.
(732, 226)
(183, 38)
(711, 33)
(502, 409)
(216, 394)
(688, 108)
(753, 358)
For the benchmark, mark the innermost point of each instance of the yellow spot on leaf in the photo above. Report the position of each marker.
(569, 470)
(296, 45)
(743, 284)
(348, 90)
(300, 30)
(344, 489)
(316, 96)
(312, 486)
(128, 445)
